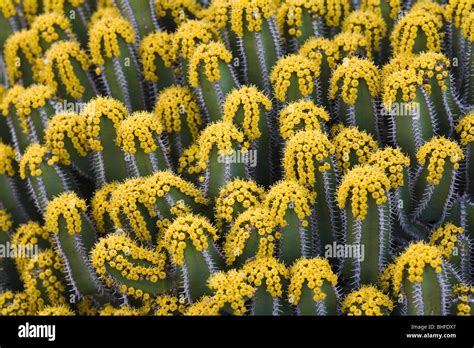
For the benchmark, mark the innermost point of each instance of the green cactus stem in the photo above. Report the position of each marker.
(313, 287)
(10, 126)
(367, 223)
(355, 84)
(468, 60)
(290, 207)
(435, 181)
(141, 138)
(309, 160)
(65, 68)
(295, 77)
(353, 147)
(132, 270)
(178, 111)
(236, 197)
(212, 77)
(141, 15)
(270, 278)
(112, 47)
(257, 39)
(102, 116)
(74, 236)
(419, 281)
(189, 241)
(222, 156)
(159, 67)
(253, 234)
(20, 52)
(100, 207)
(250, 110)
(45, 179)
(13, 196)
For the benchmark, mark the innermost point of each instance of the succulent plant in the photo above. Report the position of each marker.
(244, 157)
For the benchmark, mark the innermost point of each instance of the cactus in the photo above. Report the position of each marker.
(73, 235)
(313, 287)
(367, 223)
(244, 157)
(419, 268)
(368, 301)
(190, 242)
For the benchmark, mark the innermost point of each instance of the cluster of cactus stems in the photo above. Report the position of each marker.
(236, 157)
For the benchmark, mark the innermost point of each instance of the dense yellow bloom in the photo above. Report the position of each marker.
(312, 273)
(267, 272)
(168, 305)
(179, 10)
(405, 83)
(157, 45)
(368, 300)
(393, 162)
(223, 135)
(315, 47)
(141, 128)
(249, 15)
(59, 310)
(438, 150)
(464, 294)
(411, 264)
(186, 230)
(465, 129)
(468, 27)
(175, 102)
(34, 97)
(360, 184)
(34, 157)
(347, 77)
(375, 5)
(5, 221)
(63, 127)
(69, 207)
(350, 44)
(301, 115)
(101, 204)
(58, 67)
(7, 8)
(10, 99)
(95, 111)
(306, 153)
(231, 288)
(294, 66)
(209, 55)
(133, 262)
(236, 195)
(190, 35)
(289, 194)
(456, 11)
(8, 157)
(253, 221)
(14, 303)
(353, 145)
(50, 26)
(249, 101)
(445, 238)
(368, 23)
(104, 37)
(408, 29)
